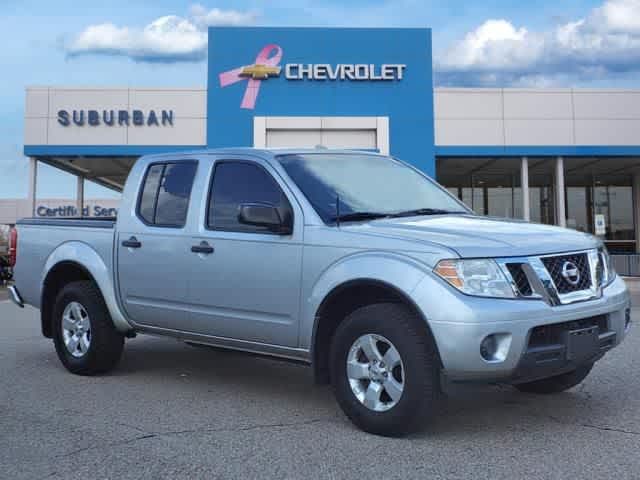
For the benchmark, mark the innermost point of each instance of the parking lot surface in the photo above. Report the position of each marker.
(174, 411)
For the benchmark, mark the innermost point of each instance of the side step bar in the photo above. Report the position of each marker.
(15, 296)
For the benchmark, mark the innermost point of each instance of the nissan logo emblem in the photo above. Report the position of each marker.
(570, 273)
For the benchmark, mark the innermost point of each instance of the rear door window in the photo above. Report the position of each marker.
(164, 201)
(147, 206)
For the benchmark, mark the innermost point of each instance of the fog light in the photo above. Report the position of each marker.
(495, 347)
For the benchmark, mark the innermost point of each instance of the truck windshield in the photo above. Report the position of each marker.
(357, 187)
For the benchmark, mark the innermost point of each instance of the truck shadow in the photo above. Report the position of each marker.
(474, 409)
(206, 369)
(466, 409)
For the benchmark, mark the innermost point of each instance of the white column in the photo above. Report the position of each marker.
(636, 208)
(80, 194)
(560, 205)
(260, 132)
(382, 135)
(524, 185)
(33, 182)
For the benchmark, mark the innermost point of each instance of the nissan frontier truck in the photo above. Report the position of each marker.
(352, 262)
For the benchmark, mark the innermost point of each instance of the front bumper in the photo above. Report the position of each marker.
(562, 347)
(460, 323)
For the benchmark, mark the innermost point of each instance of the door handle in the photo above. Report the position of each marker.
(204, 247)
(132, 243)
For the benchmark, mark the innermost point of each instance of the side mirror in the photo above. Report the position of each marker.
(262, 215)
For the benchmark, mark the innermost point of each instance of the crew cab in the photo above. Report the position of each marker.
(353, 262)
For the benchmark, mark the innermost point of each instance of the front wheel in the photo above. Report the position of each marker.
(385, 369)
(556, 384)
(85, 338)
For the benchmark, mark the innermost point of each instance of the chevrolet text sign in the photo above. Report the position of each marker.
(267, 64)
(343, 71)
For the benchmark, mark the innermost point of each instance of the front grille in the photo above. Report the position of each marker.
(555, 265)
(553, 334)
(557, 279)
(520, 279)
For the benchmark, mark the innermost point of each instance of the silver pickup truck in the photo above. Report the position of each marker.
(352, 262)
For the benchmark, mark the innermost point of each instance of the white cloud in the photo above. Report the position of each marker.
(167, 39)
(206, 18)
(498, 53)
(496, 44)
(620, 15)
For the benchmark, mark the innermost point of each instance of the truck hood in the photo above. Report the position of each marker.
(475, 236)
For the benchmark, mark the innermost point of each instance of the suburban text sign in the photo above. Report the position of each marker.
(110, 118)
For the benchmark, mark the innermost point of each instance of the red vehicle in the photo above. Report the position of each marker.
(8, 258)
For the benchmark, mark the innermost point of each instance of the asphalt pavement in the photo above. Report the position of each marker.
(174, 411)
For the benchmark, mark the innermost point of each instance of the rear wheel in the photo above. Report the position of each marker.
(385, 369)
(86, 341)
(556, 384)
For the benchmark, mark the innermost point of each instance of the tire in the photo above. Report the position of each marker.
(419, 374)
(556, 384)
(99, 349)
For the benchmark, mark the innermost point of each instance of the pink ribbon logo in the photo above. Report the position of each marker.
(266, 65)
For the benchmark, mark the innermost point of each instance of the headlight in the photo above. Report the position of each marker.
(480, 277)
(608, 272)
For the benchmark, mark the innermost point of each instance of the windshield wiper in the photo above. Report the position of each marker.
(356, 216)
(427, 211)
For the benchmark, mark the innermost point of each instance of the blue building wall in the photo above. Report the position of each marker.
(408, 102)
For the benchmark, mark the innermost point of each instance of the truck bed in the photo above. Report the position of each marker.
(38, 238)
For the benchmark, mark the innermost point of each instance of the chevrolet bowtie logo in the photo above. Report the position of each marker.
(264, 66)
(260, 72)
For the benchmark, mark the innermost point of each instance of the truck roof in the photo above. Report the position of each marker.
(262, 152)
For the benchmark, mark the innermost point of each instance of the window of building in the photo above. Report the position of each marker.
(490, 186)
(602, 186)
(236, 183)
(165, 195)
(474, 198)
(577, 209)
(542, 202)
(594, 187)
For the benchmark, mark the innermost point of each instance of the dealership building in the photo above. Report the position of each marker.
(568, 157)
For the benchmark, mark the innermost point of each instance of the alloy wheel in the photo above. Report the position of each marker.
(375, 372)
(76, 329)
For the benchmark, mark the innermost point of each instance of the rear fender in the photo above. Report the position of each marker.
(85, 256)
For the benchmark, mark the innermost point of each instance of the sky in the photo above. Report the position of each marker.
(493, 43)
